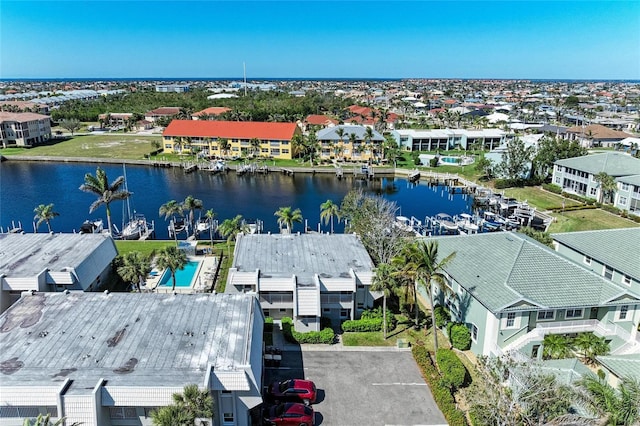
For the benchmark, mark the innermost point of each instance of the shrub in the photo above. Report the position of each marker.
(441, 394)
(434, 162)
(325, 336)
(611, 209)
(454, 374)
(364, 324)
(460, 337)
(443, 316)
(377, 313)
(268, 324)
(552, 188)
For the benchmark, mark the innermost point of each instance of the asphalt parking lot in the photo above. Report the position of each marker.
(363, 387)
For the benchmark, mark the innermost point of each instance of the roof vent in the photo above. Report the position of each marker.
(106, 292)
(175, 293)
(67, 291)
(33, 292)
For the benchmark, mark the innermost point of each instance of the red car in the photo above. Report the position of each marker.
(289, 414)
(297, 390)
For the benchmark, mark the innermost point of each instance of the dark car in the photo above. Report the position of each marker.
(288, 414)
(296, 390)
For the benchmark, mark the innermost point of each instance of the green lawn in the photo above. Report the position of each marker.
(587, 220)
(404, 330)
(132, 147)
(538, 197)
(145, 247)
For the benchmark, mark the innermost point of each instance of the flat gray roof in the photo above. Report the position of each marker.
(330, 256)
(26, 255)
(132, 339)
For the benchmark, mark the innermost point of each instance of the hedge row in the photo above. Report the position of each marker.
(325, 336)
(365, 324)
(443, 316)
(572, 208)
(441, 394)
(518, 183)
(454, 373)
(552, 188)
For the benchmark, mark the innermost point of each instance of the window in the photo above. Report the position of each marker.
(622, 201)
(123, 413)
(623, 312)
(573, 313)
(626, 280)
(474, 332)
(511, 319)
(344, 313)
(587, 260)
(546, 315)
(227, 417)
(557, 179)
(593, 191)
(608, 272)
(625, 187)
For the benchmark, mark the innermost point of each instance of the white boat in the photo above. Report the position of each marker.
(490, 222)
(466, 223)
(203, 225)
(403, 223)
(446, 223)
(92, 227)
(137, 228)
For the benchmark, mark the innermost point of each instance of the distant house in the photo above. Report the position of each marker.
(304, 277)
(115, 119)
(577, 175)
(177, 88)
(53, 263)
(318, 120)
(113, 358)
(24, 106)
(351, 148)
(24, 128)
(511, 295)
(163, 112)
(275, 138)
(596, 135)
(211, 111)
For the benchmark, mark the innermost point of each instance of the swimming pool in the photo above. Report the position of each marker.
(450, 160)
(184, 277)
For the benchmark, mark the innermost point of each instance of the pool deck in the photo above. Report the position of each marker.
(202, 281)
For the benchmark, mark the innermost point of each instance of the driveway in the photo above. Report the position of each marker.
(363, 387)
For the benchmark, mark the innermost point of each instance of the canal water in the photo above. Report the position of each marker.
(25, 185)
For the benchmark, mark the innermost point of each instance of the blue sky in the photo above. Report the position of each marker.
(362, 39)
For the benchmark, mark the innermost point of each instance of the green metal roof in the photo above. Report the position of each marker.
(613, 163)
(632, 180)
(617, 248)
(504, 270)
(622, 365)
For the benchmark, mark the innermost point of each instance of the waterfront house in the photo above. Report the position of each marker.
(24, 128)
(275, 139)
(446, 139)
(304, 276)
(103, 359)
(611, 253)
(115, 119)
(163, 112)
(53, 263)
(209, 112)
(364, 145)
(577, 175)
(513, 294)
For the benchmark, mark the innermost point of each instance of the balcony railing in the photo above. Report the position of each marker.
(336, 298)
(276, 298)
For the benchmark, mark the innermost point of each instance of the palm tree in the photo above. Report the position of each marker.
(135, 266)
(329, 210)
(555, 346)
(192, 204)
(384, 281)
(210, 215)
(106, 192)
(224, 145)
(173, 259)
(287, 216)
(591, 346)
(230, 228)
(619, 406)
(406, 275)
(255, 145)
(429, 270)
(44, 213)
(607, 186)
(193, 403)
(171, 208)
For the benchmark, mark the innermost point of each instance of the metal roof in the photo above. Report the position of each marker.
(622, 365)
(504, 270)
(302, 255)
(129, 339)
(632, 180)
(613, 163)
(617, 248)
(329, 133)
(27, 255)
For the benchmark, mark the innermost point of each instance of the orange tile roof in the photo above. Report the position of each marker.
(164, 111)
(22, 117)
(231, 129)
(212, 111)
(319, 120)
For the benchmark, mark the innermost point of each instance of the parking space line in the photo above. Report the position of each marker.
(398, 384)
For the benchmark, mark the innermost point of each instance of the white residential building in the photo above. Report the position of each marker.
(304, 276)
(446, 139)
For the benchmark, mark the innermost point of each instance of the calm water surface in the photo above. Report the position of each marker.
(25, 185)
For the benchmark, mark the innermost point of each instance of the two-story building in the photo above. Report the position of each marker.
(110, 359)
(231, 138)
(627, 196)
(53, 263)
(350, 143)
(511, 291)
(304, 276)
(446, 139)
(578, 175)
(24, 128)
